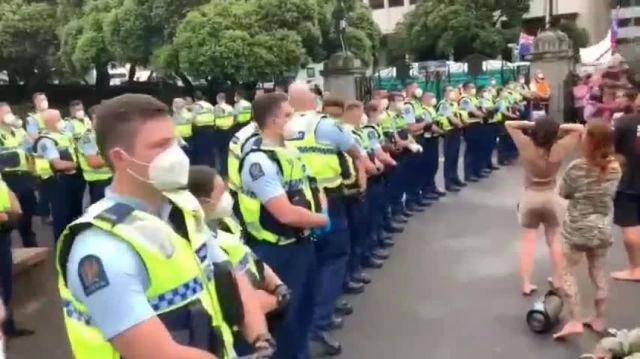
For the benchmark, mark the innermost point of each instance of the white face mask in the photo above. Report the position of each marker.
(385, 104)
(289, 130)
(418, 93)
(80, 114)
(486, 95)
(363, 120)
(44, 105)
(168, 171)
(17, 123)
(60, 126)
(472, 92)
(223, 209)
(433, 102)
(451, 96)
(10, 119)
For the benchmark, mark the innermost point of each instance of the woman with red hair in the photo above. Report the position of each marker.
(589, 184)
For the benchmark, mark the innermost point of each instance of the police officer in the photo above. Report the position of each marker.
(447, 110)
(203, 131)
(357, 206)
(376, 196)
(224, 130)
(10, 213)
(241, 140)
(140, 262)
(77, 125)
(431, 148)
(35, 124)
(241, 110)
(472, 116)
(183, 119)
(490, 130)
(325, 146)
(284, 203)
(15, 165)
(95, 170)
(504, 113)
(270, 292)
(414, 116)
(55, 146)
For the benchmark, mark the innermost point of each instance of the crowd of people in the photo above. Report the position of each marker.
(217, 231)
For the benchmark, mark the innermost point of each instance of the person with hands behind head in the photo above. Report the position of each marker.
(136, 274)
(281, 206)
(10, 213)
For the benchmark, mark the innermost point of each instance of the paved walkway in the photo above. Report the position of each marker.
(450, 290)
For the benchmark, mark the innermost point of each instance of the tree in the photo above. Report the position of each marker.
(578, 35)
(435, 29)
(220, 42)
(28, 40)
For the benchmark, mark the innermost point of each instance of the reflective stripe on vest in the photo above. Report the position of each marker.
(223, 117)
(89, 173)
(244, 112)
(5, 197)
(260, 223)
(179, 270)
(443, 122)
(12, 156)
(204, 117)
(325, 162)
(235, 153)
(183, 121)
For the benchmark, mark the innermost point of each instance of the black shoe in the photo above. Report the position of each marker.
(373, 263)
(422, 203)
(13, 333)
(385, 237)
(472, 179)
(493, 167)
(322, 345)
(362, 277)
(412, 208)
(393, 229)
(386, 243)
(460, 184)
(439, 192)
(399, 220)
(337, 322)
(381, 254)
(406, 214)
(452, 188)
(343, 307)
(484, 174)
(430, 196)
(503, 163)
(352, 287)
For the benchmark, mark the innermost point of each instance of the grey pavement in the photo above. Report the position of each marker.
(450, 290)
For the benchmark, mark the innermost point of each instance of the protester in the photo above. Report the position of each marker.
(589, 183)
(541, 155)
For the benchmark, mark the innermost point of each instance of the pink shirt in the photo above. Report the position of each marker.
(579, 94)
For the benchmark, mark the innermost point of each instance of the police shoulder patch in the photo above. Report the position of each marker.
(256, 171)
(92, 274)
(408, 110)
(371, 135)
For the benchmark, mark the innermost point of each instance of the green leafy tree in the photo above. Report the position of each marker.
(220, 42)
(578, 35)
(28, 40)
(435, 29)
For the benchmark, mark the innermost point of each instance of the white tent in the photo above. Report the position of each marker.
(598, 54)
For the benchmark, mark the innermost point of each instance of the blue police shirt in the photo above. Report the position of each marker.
(47, 149)
(332, 133)
(409, 113)
(119, 303)
(466, 104)
(88, 146)
(374, 141)
(444, 109)
(261, 176)
(31, 126)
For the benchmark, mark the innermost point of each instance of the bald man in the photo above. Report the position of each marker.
(324, 144)
(56, 146)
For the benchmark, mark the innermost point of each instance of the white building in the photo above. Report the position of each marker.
(388, 13)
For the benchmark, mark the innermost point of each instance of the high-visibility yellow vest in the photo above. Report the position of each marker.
(443, 121)
(89, 173)
(325, 162)
(235, 153)
(223, 117)
(79, 126)
(181, 279)
(244, 111)
(184, 123)
(418, 111)
(204, 116)
(351, 184)
(65, 147)
(13, 157)
(230, 239)
(5, 197)
(466, 117)
(39, 120)
(260, 223)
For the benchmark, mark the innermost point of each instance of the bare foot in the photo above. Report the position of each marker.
(528, 289)
(597, 325)
(571, 328)
(627, 275)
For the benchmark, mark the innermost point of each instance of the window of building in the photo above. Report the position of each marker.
(396, 3)
(626, 22)
(311, 72)
(376, 4)
(635, 22)
(413, 2)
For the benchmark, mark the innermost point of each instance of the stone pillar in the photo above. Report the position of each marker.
(342, 74)
(553, 55)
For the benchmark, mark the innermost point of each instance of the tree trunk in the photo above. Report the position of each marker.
(132, 72)
(103, 80)
(188, 85)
